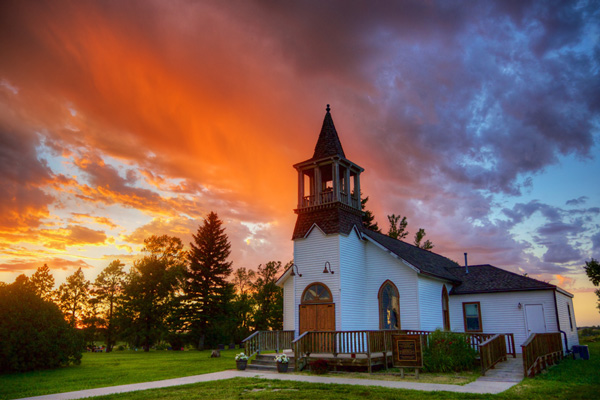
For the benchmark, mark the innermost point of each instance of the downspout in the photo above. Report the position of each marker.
(558, 324)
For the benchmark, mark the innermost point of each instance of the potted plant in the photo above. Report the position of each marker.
(282, 362)
(241, 361)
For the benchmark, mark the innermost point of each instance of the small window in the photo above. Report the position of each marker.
(570, 319)
(389, 306)
(472, 314)
(316, 293)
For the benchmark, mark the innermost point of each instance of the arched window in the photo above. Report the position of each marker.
(389, 306)
(316, 293)
(445, 310)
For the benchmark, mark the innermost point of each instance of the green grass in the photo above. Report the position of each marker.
(571, 379)
(115, 368)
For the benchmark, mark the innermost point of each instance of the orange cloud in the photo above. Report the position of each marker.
(19, 265)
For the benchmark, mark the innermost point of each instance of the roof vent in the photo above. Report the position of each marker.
(466, 264)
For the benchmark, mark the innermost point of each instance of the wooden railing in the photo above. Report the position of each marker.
(328, 197)
(491, 352)
(539, 351)
(267, 340)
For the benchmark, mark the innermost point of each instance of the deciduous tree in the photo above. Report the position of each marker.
(427, 245)
(268, 297)
(592, 269)
(397, 226)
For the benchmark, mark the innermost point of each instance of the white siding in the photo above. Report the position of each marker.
(352, 281)
(430, 300)
(310, 255)
(288, 304)
(500, 312)
(382, 266)
(563, 317)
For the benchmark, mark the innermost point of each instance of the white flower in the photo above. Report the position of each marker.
(282, 358)
(241, 357)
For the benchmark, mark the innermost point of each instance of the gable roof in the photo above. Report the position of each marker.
(425, 261)
(328, 144)
(490, 279)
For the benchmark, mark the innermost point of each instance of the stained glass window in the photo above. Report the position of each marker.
(389, 306)
(316, 293)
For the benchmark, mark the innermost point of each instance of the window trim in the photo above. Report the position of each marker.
(570, 318)
(379, 304)
(445, 313)
(478, 315)
(317, 301)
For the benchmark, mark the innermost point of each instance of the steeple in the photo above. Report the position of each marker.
(329, 143)
(328, 187)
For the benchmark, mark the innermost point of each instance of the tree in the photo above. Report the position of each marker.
(244, 306)
(73, 296)
(397, 226)
(108, 288)
(148, 298)
(206, 289)
(168, 249)
(43, 282)
(34, 333)
(268, 297)
(592, 269)
(368, 217)
(427, 245)
(243, 279)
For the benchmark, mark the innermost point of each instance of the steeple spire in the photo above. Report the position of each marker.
(329, 143)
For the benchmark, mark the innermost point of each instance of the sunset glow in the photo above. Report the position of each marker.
(123, 119)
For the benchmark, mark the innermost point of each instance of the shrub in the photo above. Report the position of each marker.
(448, 351)
(319, 366)
(33, 333)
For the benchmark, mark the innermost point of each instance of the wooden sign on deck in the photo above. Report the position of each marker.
(407, 351)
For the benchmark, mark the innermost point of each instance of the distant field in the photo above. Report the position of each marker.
(115, 368)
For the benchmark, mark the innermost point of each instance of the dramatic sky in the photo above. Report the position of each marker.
(480, 121)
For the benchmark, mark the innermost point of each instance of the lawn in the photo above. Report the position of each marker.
(116, 368)
(571, 379)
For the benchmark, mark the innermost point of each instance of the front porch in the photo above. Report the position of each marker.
(349, 349)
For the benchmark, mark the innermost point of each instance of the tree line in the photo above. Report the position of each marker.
(169, 296)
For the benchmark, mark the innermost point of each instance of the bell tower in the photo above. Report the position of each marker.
(328, 187)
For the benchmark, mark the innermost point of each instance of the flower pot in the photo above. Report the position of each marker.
(241, 364)
(281, 367)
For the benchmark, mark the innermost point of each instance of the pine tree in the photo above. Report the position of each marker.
(397, 226)
(206, 290)
(43, 282)
(108, 287)
(427, 245)
(73, 296)
(368, 217)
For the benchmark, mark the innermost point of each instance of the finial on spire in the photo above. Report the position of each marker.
(328, 108)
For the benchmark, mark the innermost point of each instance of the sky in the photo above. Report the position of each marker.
(479, 121)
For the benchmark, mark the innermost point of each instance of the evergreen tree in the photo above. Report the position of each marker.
(397, 226)
(368, 217)
(427, 245)
(73, 296)
(108, 287)
(206, 290)
(268, 297)
(43, 282)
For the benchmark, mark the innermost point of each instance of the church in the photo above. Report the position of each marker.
(348, 278)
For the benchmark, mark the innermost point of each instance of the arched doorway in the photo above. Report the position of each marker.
(445, 310)
(317, 310)
(389, 306)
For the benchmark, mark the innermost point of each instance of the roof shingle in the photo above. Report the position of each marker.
(489, 279)
(328, 144)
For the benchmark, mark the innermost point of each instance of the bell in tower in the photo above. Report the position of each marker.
(328, 187)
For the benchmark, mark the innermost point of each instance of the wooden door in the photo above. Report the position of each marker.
(317, 317)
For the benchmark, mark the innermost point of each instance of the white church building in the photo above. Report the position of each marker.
(348, 278)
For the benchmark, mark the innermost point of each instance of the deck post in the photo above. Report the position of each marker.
(369, 350)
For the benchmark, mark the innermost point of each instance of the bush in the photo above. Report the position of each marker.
(319, 366)
(448, 351)
(33, 333)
